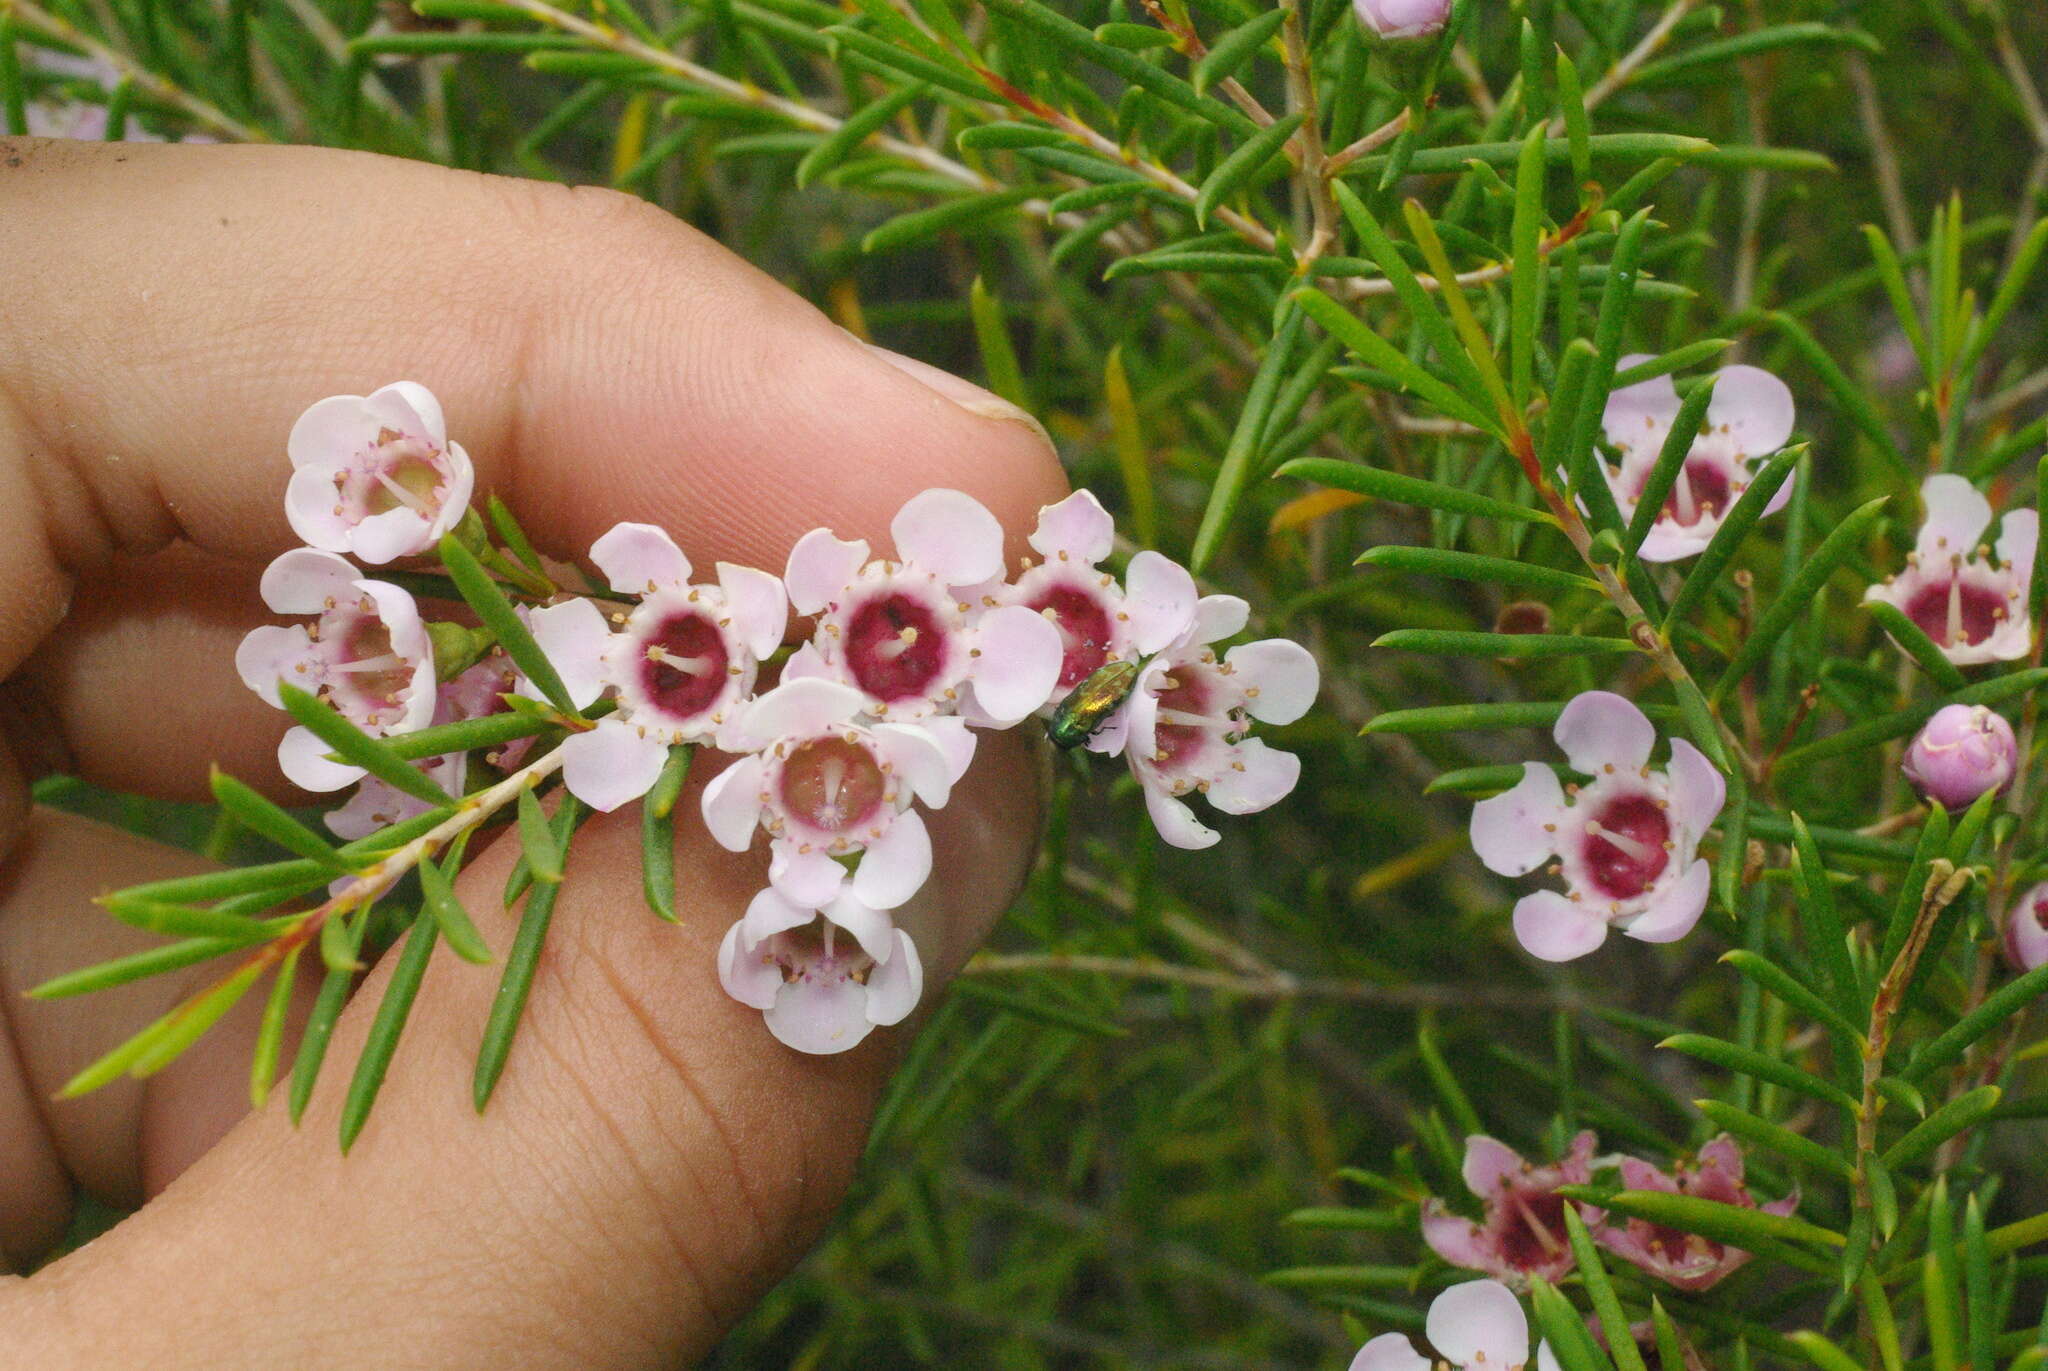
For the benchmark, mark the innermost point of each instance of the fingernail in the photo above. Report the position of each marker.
(985, 404)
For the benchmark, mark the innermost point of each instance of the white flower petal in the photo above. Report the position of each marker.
(751, 979)
(1637, 417)
(1160, 597)
(771, 912)
(1257, 778)
(1697, 790)
(305, 579)
(1957, 515)
(330, 433)
(1389, 1352)
(303, 758)
(759, 609)
(811, 879)
(895, 985)
(1599, 730)
(309, 508)
(1674, 910)
(802, 707)
(639, 558)
(611, 764)
(949, 534)
(1515, 832)
(820, 569)
(1752, 409)
(1176, 822)
(1019, 662)
(409, 408)
(820, 1016)
(2018, 534)
(917, 754)
(955, 740)
(1279, 678)
(894, 866)
(731, 804)
(1556, 929)
(1078, 526)
(874, 930)
(381, 538)
(1218, 616)
(1479, 1323)
(270, 654)
(573, 636)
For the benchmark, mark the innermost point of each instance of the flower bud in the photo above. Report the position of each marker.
(2026, 929)
(1963, 751)
(1402, 18)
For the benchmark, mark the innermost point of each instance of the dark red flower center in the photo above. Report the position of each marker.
(1701, 492)
(895, 647)
(1084, 628)
(1624, 850)
(832, 784)
(683, 664)
(1185, 725)
(1977, 612)
(1533, 1234)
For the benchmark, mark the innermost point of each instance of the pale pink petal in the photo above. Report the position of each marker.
(871, 928)
(330, 433)
(1279, 678)
(1599, 731)
(1779, 498)
(1454, 1238)
(820, 1016)
(915, 752)
(639, 558)
(381, 538)
(1670, 541)
(1258, 778)
(1556, 929)
(1019, 662)
(802, 707)
(1784, 1206)
(1489, 1164)
(771, 912)
(2018, 534)
(304, 759)
(956, 742)
(1160, 596)
(1723, 1153)
(759, 609)
(1110, 738)
(820, 569)
(751, 979)
(895, 865)
(307, 581)
(811, 879)
(1176, 822)
(895, 985)
(409, 408)
(1479, 1323)
(1515, 832)
(309, 508)
(573, 636)
(807, 663)
(1078, 526)
(2026, 935)
(1674, 910)
(1752, 409)
(1546, 1360)
(272, 653)
(949, 534)
(732, 804)
(1218, 616)
(1697, 789)
(461, 484)
(1389, 1352)
(374, 806)
(1957, 515)
(611, 764)
(1637, 417)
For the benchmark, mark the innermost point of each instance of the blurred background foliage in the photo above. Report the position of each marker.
(1093, 1152)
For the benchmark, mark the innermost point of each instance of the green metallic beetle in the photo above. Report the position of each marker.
(1091, 703)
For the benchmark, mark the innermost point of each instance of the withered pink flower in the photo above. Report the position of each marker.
(1402, 18)
(1522, 1233)
(1686, 1260)
(1972, 610)
(1963, 751)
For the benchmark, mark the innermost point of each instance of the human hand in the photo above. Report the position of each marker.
(652, 1160)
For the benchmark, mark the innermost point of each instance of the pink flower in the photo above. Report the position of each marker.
(1686, 1260)
(1749, 417)
(828, 786)
(1522, 1233)
(375, 475)
(910, 635)
(1477, 1326)
(1183, 730)
(1963, 751)
(822, 979)
(2026, 929)
(367, 655)
(1098, 620)
(1402, 18)
(1974, 611)
(1625, 843)
(682, 666)
(378, 804)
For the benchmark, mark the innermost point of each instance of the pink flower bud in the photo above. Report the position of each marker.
(1402, 18)
(2026, 929)
(1963, 751)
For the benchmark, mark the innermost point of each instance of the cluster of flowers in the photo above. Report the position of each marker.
(1479, 1325)
(873, 714)
(1626, 841)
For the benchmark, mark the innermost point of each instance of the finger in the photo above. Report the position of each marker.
(650, 1162)
(599, 360)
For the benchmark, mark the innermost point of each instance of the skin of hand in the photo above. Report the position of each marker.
(652, 1160)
